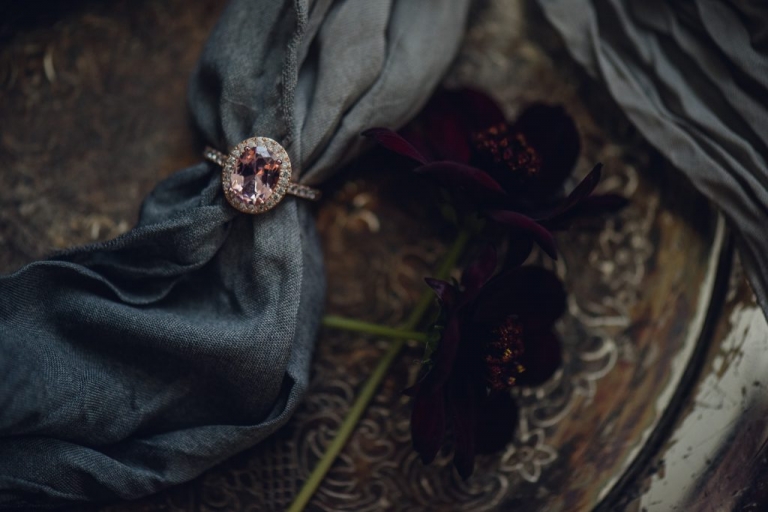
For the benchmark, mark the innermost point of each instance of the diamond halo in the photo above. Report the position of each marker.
(239, 158)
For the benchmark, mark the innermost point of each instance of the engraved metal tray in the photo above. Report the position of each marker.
(646, 286)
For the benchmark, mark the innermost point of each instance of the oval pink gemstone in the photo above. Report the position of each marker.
(256, 174)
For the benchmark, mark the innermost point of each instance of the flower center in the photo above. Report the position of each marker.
(509, 150)
(503, 353)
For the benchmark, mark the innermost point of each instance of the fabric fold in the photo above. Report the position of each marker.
(134, 364)
(693, 78)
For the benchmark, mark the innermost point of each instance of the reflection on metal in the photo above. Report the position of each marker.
(712, 461)
(683, 363)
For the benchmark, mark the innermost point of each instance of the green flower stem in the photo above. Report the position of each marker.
(372, 384)
(350, 324)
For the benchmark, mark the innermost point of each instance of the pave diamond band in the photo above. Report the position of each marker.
(256, 175)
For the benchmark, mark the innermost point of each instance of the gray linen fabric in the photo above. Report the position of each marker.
(134, 364)
(693, 77)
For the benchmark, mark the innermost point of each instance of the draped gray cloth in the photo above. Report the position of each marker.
(693, 77)
(134, 364)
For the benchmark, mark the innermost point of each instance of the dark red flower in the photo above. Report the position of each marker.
(497, 333)
(514, 172)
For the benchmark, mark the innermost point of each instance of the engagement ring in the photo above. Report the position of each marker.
(257, 174)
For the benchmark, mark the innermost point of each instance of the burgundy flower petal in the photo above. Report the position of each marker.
(415, 134)
(497, 422)
(542, 357)
(520, 248)
(527, 226)
(452, 117)
(479, 271)
(464, 401)
(553, 134)
(428, 424)
(592, 206)
(533, 293)
(444, 357)
(473, 109)
(394, 142)
(444, 290)
(466, 181)
(481, 110)
(478, 109)
(445, 128)
(581, 192)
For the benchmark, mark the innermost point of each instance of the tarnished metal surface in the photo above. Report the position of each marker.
(88, 117)
(92, 115)
(716, 457)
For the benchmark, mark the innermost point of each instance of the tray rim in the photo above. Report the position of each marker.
(711, 302)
